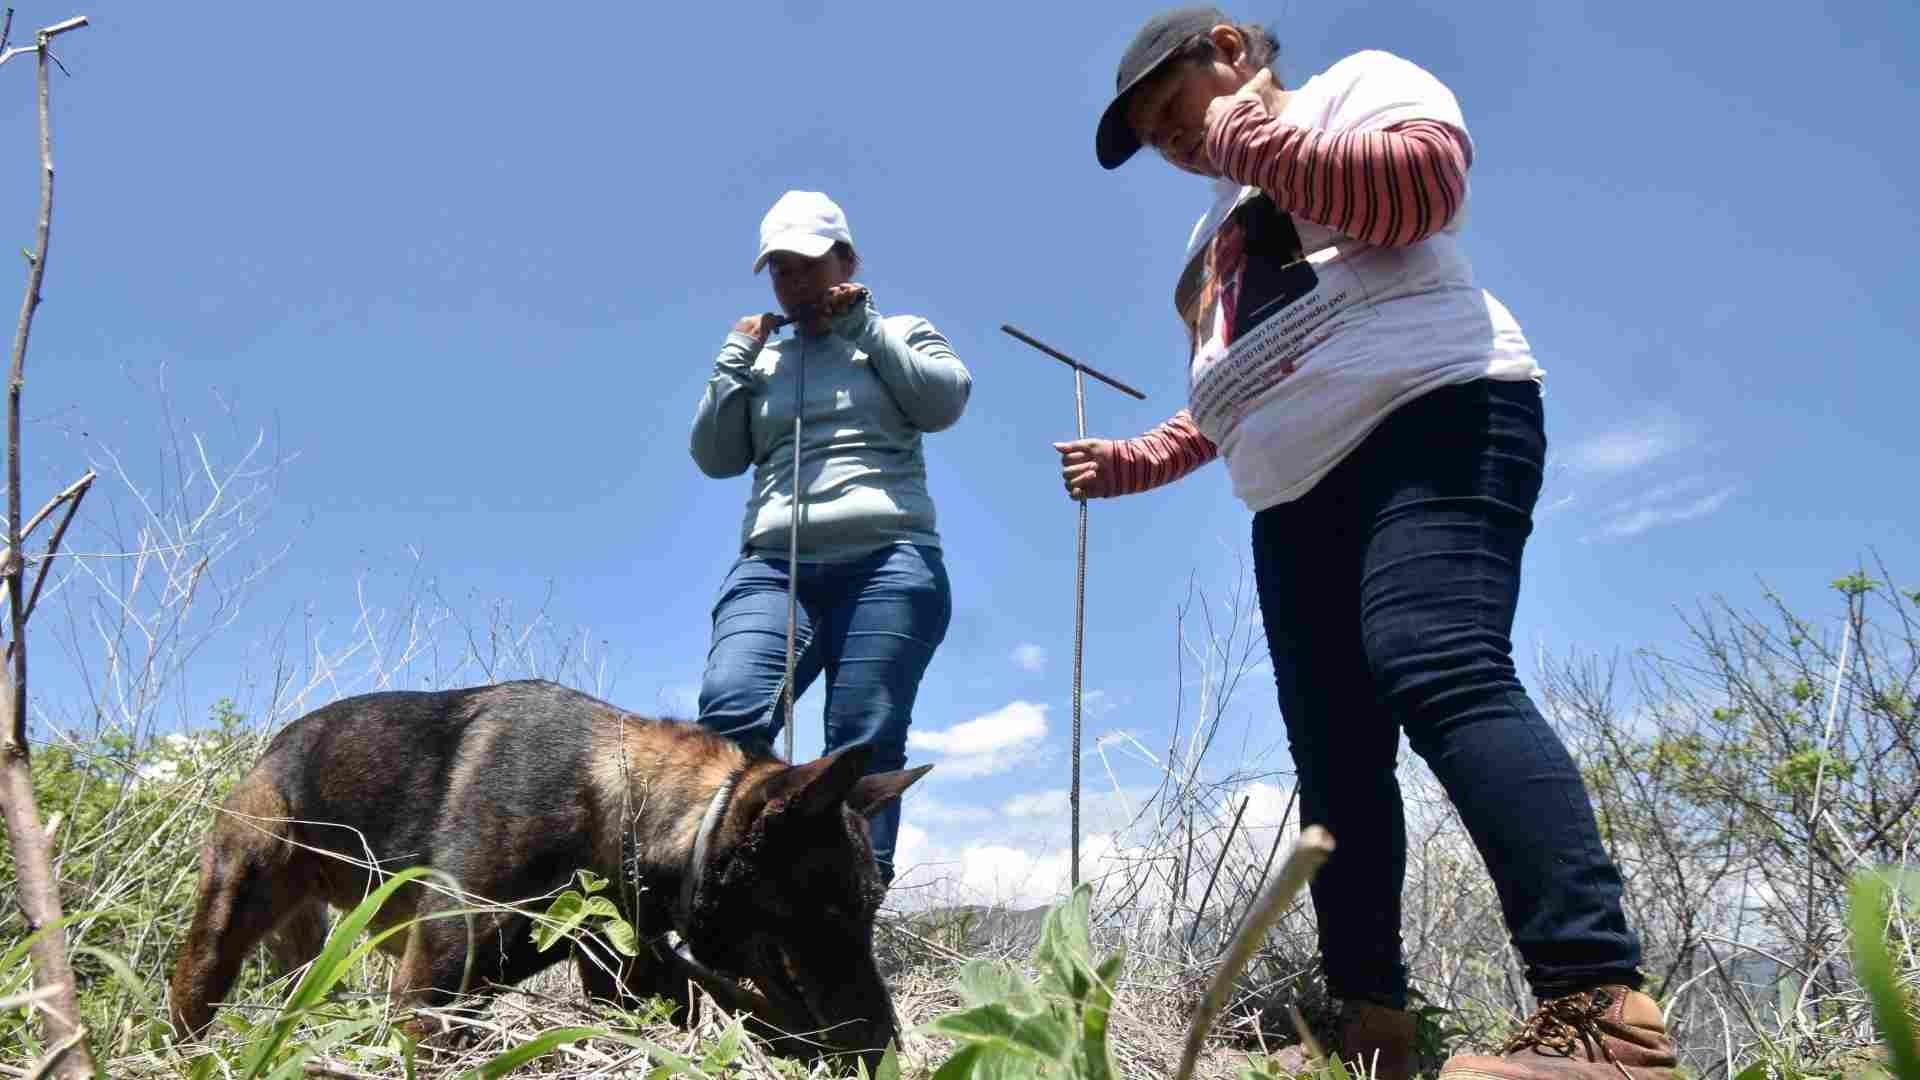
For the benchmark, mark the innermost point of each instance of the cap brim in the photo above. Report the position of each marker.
(806, 244)
(1115, 141)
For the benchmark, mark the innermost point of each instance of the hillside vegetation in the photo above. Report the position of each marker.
(1746, 782)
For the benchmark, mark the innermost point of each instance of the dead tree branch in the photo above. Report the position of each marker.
(39, 894)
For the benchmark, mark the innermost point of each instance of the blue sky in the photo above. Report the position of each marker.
(467, 270)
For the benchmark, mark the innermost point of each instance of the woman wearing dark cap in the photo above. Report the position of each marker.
(1382, 418)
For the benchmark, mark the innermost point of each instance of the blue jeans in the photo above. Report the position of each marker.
(1388, 593)
(871, 624)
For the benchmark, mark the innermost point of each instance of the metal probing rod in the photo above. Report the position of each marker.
(793, 519)
(793, 547)
(1080, 570)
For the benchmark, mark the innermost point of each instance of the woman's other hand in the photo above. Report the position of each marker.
(842, 298)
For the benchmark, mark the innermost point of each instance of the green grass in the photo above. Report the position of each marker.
(1089, 1000)
(1871, 909)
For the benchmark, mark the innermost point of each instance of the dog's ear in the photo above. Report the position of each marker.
(871, 794)
(818, 786)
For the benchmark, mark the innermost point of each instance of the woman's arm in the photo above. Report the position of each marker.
(1102, 468)
(917, 365)
(722, 440)
(1393, 188)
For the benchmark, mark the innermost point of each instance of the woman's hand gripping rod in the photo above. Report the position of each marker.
(856, 295)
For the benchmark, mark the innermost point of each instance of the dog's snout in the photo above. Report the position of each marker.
(844, 1005)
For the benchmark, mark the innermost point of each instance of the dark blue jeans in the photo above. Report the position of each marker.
(1388, 593)
(871, 624)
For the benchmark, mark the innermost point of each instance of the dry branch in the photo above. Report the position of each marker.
(39, 895)
(1309, 852)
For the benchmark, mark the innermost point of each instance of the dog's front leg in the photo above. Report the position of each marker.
(599, 983)
(433, 973)
(634, 980)
(411, 982)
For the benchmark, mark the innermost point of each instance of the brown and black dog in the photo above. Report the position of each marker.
(764, 869)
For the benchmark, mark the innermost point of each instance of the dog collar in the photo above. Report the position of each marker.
(702, 841)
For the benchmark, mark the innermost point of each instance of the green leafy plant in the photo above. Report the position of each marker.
(574, 909)
(1055, 1027)
(1265, 1068)
(1435, 1029)
(888, 1069)
(1868, 909)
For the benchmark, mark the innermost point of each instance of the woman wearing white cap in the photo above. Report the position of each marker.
(874, 601)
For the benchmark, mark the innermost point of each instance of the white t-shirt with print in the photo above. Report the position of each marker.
(1306, 339)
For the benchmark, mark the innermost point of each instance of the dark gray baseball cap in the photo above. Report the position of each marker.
(1115, 141)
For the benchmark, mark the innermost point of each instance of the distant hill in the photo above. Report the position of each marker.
(969, 927)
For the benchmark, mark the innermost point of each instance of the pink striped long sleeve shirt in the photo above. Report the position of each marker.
(1391, 188)
(1161, 456)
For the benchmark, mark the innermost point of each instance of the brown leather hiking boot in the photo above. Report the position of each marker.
(1373, 1037)
(1609, 1031)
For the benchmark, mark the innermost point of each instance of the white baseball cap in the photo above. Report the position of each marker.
(803, 222)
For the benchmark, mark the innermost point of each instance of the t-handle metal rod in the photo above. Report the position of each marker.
(1071, 362)
(793, 544)
(1080, 571)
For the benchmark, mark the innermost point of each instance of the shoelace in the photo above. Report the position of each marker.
(1568, 1026)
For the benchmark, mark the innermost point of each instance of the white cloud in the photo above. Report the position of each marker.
(1268, 806)
(975, 766)
(911, 846)
(1099, 703)
(1621, 459)
(1632, 446)
(1685, 487)
(1635, 522)
(1027, 861)
(1004, 728)
(1036, 804)
(1664, 504)
(171, 754)
(991, 873)
(986, 744)
(935, 809)
(1030, 657)
(998, 873)
(1037, 819)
